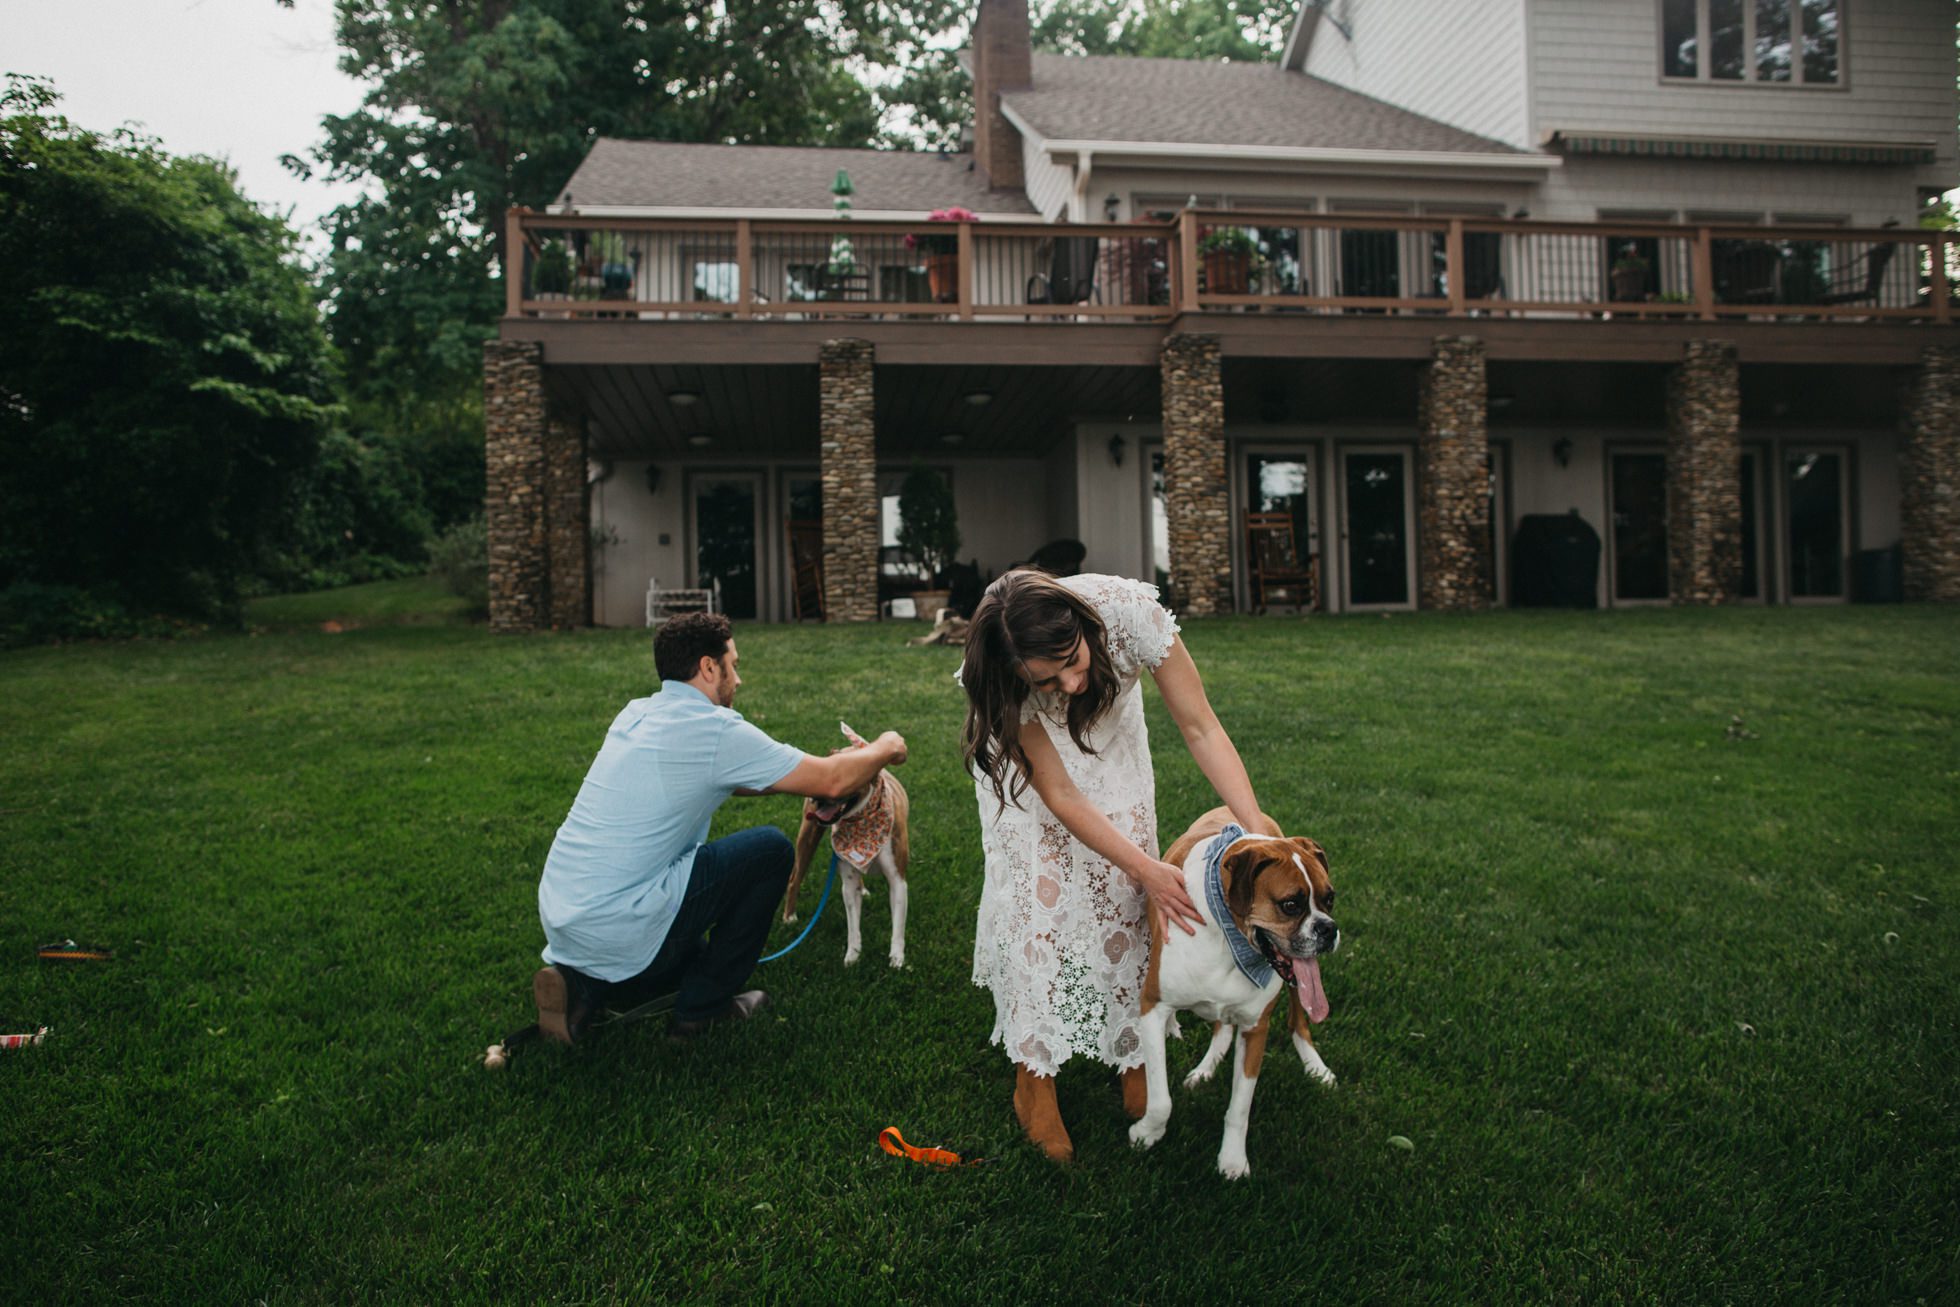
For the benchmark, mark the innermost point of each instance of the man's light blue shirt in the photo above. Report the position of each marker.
(618, 868)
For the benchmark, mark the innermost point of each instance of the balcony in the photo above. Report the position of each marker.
(1238, 262)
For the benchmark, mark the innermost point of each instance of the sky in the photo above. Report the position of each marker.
(241, 80)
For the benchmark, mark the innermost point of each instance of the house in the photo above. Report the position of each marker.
(1466, 290)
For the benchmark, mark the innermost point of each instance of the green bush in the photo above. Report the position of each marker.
(460, 559)
(33, 613)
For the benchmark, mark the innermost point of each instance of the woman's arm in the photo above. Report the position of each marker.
(1163, 882)
(1184, 694)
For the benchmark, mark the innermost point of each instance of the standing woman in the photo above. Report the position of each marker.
(1056, 743)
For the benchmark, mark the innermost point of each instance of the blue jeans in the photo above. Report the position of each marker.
(732, 893)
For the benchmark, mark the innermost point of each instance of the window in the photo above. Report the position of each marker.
(899, 284)
(1765, 42)
(803, 282)
(715, 281)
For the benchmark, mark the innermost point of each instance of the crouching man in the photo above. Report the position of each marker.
(634, 897)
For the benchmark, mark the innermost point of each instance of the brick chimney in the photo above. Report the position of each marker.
(1003, 60)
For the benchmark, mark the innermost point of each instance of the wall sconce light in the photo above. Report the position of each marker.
(1116, 449)
(1562, 451)
(653, 478)
(1110, 206)
(683, 398)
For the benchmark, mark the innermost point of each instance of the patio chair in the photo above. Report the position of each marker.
(805, 536)
(1862, 278)
(1273, 564)
(1071, 276)
(663, 604)
(1747, 272)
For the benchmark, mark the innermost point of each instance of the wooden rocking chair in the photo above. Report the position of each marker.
(805, 536)
(1274, 567)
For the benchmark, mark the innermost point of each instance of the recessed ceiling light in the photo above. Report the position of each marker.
(699, 441)
(951, 438)
(683, 398)
(979, 398)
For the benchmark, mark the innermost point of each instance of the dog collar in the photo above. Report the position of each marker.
(1251, 963)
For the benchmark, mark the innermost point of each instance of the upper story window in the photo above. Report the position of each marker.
(1768, 42)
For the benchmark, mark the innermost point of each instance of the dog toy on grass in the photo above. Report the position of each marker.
(894, 1143)
(23, 1041)
(66, 950)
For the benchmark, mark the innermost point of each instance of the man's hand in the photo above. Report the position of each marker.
(1164, 883)
(894, 745)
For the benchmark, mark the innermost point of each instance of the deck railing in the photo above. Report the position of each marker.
(670, 268)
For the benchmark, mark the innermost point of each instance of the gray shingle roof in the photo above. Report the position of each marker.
(1184, 101)
(669, 174)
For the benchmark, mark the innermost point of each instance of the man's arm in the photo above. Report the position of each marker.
(843, 773)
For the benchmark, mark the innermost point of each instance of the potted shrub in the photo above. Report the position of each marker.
(615, 267)
(928, 529)
(941, 254)
(1229, 255)
(1629, 275)
(551, 271)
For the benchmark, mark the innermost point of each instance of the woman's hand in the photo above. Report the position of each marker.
(1164, 883)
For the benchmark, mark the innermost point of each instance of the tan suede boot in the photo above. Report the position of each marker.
(1136, 1092)
(1040, 1117)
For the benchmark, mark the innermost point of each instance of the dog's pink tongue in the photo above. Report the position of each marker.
(1306, 985)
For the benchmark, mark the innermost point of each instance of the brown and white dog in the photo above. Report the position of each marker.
(867, 830)
(1277, 896)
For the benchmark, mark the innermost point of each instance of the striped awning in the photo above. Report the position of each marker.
(1714, 147)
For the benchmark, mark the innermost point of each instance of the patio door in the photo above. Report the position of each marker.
(1753, 585)
(1817, 525)
(1378, 538)
(1286, 481)
(1637, 508)
(724, 521)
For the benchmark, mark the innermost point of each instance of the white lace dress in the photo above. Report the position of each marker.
(1063, 939)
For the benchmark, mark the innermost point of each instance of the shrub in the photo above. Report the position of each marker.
(460, 559)
(33, 613)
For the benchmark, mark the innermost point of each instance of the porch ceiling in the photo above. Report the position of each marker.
(771, 411)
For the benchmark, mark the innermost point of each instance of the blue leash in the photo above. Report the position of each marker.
(828, 882)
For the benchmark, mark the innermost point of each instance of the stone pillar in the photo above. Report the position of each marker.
(1704, 475)
(1196, 504)
(514, 491)
(1929, 475)
(1453, 547)
(848, 468)
(568, 519)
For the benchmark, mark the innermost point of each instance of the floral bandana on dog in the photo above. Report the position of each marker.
(857, 838)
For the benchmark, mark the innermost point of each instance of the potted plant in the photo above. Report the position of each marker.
(1629, 275)
(928, 529)
(1229, 254)
(942, 253)
(551, 272)
(614, 263)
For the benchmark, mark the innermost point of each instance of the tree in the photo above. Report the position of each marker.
(164, 379)
(928, 521)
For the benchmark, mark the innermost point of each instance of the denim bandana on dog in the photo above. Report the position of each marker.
(1251, 963)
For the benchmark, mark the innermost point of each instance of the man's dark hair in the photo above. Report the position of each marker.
(682, 642)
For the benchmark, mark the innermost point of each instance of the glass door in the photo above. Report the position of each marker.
(1637, 506)
(1377, 527)
(1751, 586)
(1498, 468)
(725, 511)
(1816, 538)
(1285, 481)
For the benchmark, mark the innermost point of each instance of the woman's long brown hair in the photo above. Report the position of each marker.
(1026, 614)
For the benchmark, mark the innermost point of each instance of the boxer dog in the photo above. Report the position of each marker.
(1266, 900)
(867, 829)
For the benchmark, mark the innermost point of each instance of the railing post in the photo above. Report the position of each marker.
(1704, 273)
(513, 262)
(966, 271)
(1453, 268)
(1942, 311)
(1187, 261)
(744, 269)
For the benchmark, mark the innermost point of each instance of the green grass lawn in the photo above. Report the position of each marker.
(1668, 1016)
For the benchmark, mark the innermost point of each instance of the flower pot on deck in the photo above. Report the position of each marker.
(943, 276)
(1227, 272)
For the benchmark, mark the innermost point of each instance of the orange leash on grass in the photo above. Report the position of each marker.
(894, 1143)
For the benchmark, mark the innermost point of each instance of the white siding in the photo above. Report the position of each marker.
(1863, 196)
(1595, 67)
(1461, 62)
(1050, 185)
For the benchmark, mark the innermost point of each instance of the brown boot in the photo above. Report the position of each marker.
(1040, 1117)
(1136, 1092)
